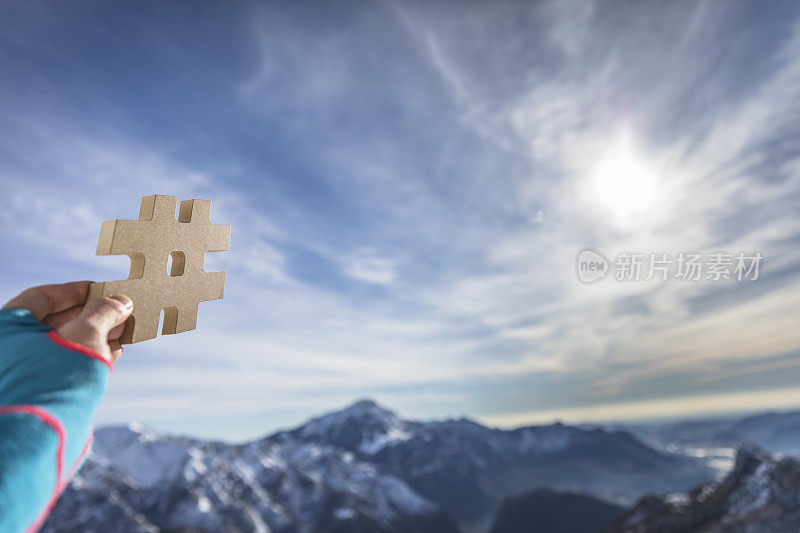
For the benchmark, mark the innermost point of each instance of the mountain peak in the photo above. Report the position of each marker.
(363, 426)
(364, 404)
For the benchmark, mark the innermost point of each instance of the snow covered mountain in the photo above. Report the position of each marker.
(359, 469)
(137, 481)
(761, 493)
(468, 469)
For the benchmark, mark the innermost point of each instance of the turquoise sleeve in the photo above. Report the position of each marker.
(49, 391)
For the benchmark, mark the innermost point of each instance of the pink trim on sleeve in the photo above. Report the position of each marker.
(54, 424)
(47, 418)
(77, 462)
(61, 484)
(61, 481)
(75, 347)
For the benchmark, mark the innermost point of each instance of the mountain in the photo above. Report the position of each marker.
(469, 469)
(715, 439)
(362, 468)
(554, 512)
(777, 432)
(761, 493)
(137, 481)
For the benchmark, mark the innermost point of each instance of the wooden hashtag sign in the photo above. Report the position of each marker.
(150, 242)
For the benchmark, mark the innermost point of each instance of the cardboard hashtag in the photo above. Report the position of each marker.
(149, 242)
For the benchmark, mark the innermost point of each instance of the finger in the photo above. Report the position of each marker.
(56, 319)
(95, 321)
(116, 351)
(50, 299)
(101, 315)
(116, 332)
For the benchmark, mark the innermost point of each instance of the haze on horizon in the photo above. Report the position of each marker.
(409, 185)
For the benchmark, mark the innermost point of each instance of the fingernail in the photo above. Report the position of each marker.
(124, 300)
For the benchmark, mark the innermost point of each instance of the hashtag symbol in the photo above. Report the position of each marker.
(150, 242)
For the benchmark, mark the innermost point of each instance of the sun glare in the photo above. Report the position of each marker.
(623, 181)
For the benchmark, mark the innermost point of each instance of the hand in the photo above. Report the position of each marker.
(96, 325)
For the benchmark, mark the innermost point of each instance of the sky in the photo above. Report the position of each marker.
(409, 185)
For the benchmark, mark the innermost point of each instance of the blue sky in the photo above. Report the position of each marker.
(409, 184)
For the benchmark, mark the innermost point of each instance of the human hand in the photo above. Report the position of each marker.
(97, 325)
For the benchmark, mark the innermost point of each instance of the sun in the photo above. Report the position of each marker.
(623, 181)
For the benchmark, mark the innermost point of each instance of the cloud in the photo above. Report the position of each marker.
(384, 170)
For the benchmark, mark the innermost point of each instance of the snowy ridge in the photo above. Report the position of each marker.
(261, 486)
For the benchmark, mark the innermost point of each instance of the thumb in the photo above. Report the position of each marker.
(103, 314)
(92, 326)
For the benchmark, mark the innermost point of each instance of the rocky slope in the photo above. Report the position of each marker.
(761, 493)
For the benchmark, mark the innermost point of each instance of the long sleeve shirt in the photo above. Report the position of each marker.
(49, 391)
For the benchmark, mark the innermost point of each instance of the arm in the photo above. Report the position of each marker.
(55, 358)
